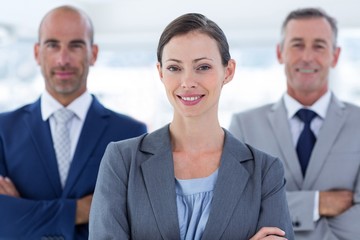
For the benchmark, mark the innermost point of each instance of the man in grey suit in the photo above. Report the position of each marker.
(323, 188)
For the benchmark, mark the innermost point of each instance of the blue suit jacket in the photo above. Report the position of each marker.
(135, 194)
(27, 157)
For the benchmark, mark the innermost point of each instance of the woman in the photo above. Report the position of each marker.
(190, 179)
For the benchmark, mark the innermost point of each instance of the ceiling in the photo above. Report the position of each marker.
(139, 23)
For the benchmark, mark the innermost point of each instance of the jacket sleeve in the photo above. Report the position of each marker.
(346, 225)
(23, 218)
(30, 219)
(274, 208)
(108, 214)
(302, 205)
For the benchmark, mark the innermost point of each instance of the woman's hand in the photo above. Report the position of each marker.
(269, 233)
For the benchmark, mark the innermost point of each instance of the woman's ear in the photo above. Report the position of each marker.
(159, 68)
(229, 71)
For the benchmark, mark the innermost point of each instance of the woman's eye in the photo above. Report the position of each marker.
(204, 67)
(173, 69)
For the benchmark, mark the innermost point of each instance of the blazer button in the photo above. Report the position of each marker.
(296, 224)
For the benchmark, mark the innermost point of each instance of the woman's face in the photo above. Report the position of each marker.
(193, 74)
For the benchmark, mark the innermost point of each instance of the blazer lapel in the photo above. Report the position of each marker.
(41, 137)
(335, 119)
(231, 182)
(94, 125)
(158, 172)
(281, 129)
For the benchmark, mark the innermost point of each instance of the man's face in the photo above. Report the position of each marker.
(65, 53)
(308, 54)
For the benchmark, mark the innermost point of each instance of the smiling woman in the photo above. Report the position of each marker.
(181, 181)
(192, 72)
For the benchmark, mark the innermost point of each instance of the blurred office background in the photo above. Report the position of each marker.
(125, 77)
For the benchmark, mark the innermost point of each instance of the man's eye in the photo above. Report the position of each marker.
(51, 45)
(76, 45)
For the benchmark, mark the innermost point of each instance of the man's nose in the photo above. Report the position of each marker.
(63, 57)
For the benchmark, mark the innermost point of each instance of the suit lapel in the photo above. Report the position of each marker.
(41, 137)
(94, 125)
(158, 172)
(281, 129)
(335, 119)
(231, 182)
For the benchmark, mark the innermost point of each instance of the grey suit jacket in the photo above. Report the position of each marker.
(135, 192)
(334, 164)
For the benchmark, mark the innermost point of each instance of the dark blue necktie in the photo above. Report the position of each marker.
(307, 138)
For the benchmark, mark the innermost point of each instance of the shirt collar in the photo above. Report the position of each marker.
(320, 106)
(79, 106)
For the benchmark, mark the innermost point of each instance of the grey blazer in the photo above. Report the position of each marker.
(334, 164)
(135, 192)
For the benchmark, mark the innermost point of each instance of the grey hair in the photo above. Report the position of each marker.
(310, 13)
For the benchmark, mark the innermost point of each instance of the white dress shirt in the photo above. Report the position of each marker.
(320, 107)
(79, 106)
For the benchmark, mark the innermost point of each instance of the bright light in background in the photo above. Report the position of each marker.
(134, 91)
(125, 77)
(128, 82)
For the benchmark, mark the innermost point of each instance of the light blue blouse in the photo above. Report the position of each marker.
(193, 198)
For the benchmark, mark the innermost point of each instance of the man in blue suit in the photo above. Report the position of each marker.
(38, 200)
